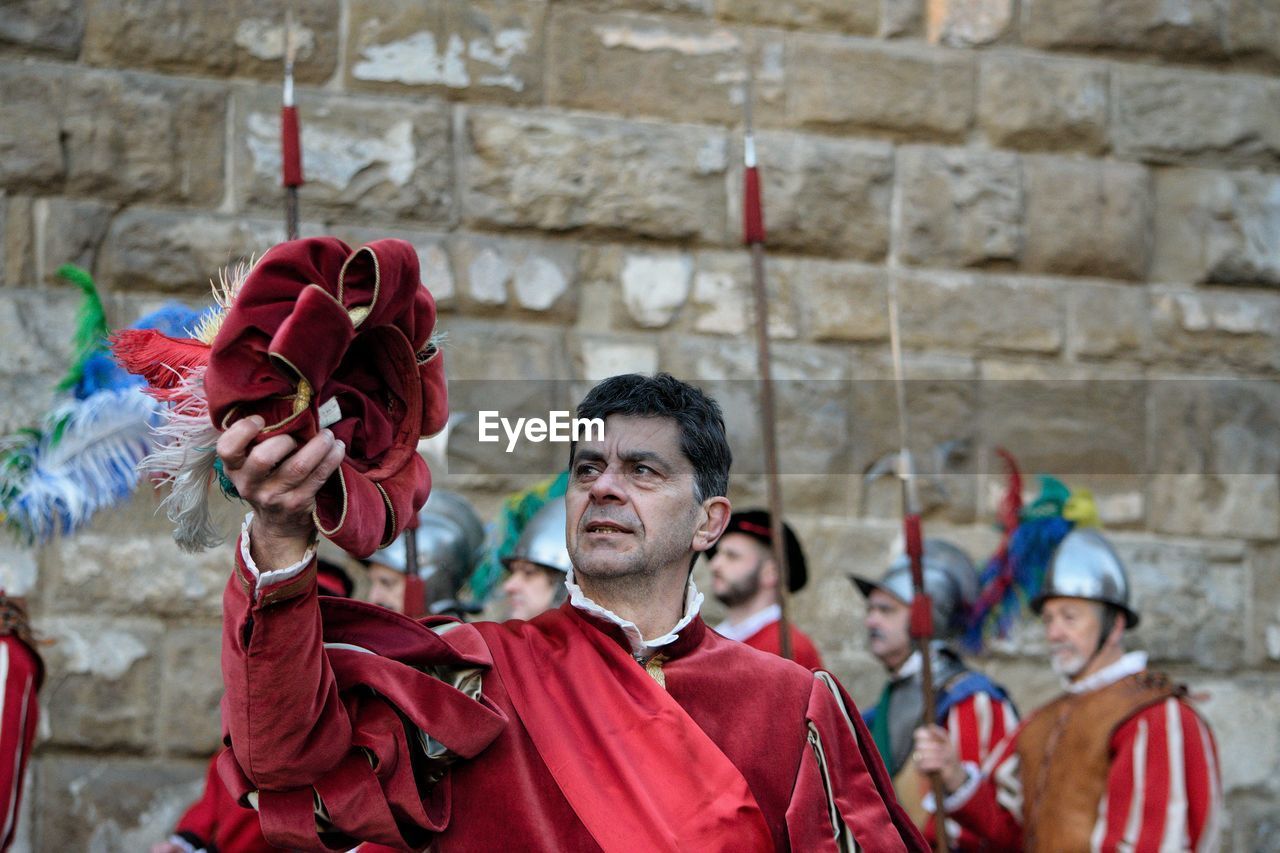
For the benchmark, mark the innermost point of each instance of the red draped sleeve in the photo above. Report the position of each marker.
(842, 786)
(336, 728)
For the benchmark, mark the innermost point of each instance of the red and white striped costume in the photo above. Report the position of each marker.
(21, 672)
(977, 726)
(1163, 789)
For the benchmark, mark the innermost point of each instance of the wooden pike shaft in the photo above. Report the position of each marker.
(753, 236)
(913, 539)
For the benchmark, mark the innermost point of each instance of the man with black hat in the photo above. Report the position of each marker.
(973, 710)
(745, 579)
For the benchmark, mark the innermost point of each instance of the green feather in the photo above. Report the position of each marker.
(91, 324)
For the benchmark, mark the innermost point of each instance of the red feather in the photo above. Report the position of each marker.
(161, 360)
(1011, 504)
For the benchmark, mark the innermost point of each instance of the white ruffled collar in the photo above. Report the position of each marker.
(640, 647)
(1133, 662)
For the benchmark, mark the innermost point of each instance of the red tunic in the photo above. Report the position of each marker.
(558, 741)
(1163, 788)
(216, 821)
(803, 651)
(21, 672)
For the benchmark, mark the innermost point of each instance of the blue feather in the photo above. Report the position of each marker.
(83, 458)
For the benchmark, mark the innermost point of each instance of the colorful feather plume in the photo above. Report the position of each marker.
(1015, 573)
(83, 455)
(82, 458)
(91, 329)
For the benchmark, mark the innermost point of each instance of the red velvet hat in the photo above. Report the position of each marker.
(323, 336)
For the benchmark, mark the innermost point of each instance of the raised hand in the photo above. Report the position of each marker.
(935, 754)
(279, 480)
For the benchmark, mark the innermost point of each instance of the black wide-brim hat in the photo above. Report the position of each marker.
(755, 523)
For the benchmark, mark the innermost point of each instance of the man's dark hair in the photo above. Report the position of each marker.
(702, 437)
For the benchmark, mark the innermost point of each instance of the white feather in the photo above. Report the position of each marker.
(185, 460)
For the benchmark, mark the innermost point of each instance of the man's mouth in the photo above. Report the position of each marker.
(606, 527)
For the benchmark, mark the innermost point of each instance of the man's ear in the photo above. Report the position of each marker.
(715, 518)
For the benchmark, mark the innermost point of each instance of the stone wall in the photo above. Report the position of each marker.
(1058, 190)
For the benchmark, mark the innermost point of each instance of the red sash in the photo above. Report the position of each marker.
(635, 767)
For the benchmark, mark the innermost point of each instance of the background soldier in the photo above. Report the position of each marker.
(745, 579)
(449, 537)
(1120, 761)
(974, 711)
(537, 567)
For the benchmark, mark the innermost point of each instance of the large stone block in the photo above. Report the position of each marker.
(1214, 458)
(1042, 104)
(190, 689)
(534, 276)
(1107, 321)
(54, 26)
(1086, 217)
(110, 804)
(517, 370)
(724, 300)
(1253, 26)
(1180, 28)
(1239, 710)
(1085, 426)
(68, 231)
(599, 358)
(1169, 116)
(1193, 598)
(1216, 227)
(37, 327)
(655, 286)
(130, 137)
(850, 16)
(563, 173)
(238, 37)
(102, 683)
(1208, 329)
(127, 561)
(358, 156)
(954, 312)
(179, 253)
(843, 302)
(31, 153)
(840, 83)
(682, 69)
(823, 196)
(967, 23)
(959, 208)
(488, 48)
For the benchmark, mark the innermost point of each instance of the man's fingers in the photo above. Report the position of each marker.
(304, 467)
(233, 444)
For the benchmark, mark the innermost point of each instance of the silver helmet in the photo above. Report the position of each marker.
(449, 537)
(1084, 565)
(950, 580)
(543, 539)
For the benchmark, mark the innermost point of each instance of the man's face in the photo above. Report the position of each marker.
(736, 569)
(386, 587)
(1072, 626)
(529, 588)
(888, 629)
(630, 502)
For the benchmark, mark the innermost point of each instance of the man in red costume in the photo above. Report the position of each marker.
(615, 722)
(744, 578)
(1120, 761)
(21, 673)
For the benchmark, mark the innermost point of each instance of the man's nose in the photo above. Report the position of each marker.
(607, 486)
